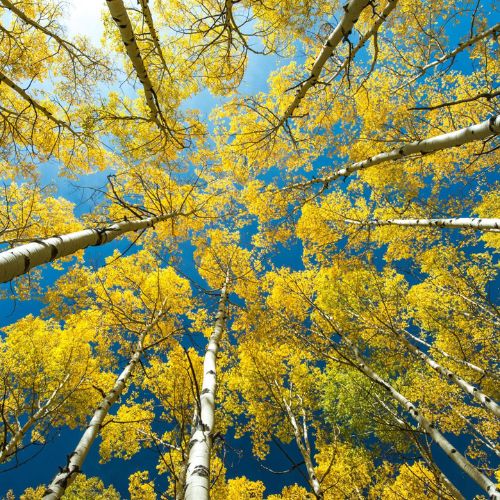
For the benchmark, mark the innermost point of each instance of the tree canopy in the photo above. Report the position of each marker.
(249, 250)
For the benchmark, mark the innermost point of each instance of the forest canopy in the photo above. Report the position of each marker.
(249, 250)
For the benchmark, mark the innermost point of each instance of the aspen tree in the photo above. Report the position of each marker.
(461, 223)
(352, 10)
(479, 132)
(21, 259)
(63, 479)
(198, 466)
(47, 373)
(366, 354)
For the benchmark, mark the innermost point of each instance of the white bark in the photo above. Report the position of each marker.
(13, 445)
(352, 11)
(198, 468)
(148, 17)
(450, 55)
(302, 440)
(495, 448)
(479, 132)
(462, 362)
(468, 388)
(474, 473)
(63, 479)
(21, 259)
(478, 223)
(121, 19)
(391, 5)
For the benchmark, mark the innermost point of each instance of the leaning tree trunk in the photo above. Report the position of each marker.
(198, 467)
(438, 473)
(474, 473)
(450, 55)
(459, 361)
(352, 12)
(372, 32)
(121, 19)
(63, 479)
(12, 446)
(488, 128)
(302, 440)
(480, 224)
(19, 260)
(467, 387)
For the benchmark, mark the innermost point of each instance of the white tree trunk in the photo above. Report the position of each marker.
(12, 446)
(391, 5)
(198, 467)
(351, 14)
(462, 362)
(479, 132)
(470, 389)
(21, 259)
(480, 224)
(483, 481)
(121, 19)
(450, 55)
(64, 478)
(148, 17)
(302, 440)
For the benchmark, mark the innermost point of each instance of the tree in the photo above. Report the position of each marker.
(302, 267)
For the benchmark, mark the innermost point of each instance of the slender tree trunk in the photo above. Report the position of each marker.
(63, 479)
(391, 5)
(19, 260)
(12, 446)
(198, 469)
(121, 19)
(480, 224)
(352, 10)
(479, 132)
(474, 473)
(302, 440)
(462, 362)
(468, 388)
(450, 55)
(148, 17)
(425, 455)
(495, 448)
(438, 473)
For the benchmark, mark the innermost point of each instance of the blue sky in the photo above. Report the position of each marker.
(85, 18)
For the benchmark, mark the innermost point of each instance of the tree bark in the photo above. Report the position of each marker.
(63, 479)
(121, 19)
(391, 5)
(479, 132)
(450, 55)
(198, 468)
(12, 446)
(462, 362)
(351, 14)
(474, 473)
(481, 224)
(468, 388)
(302, 440)
(19, 260)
